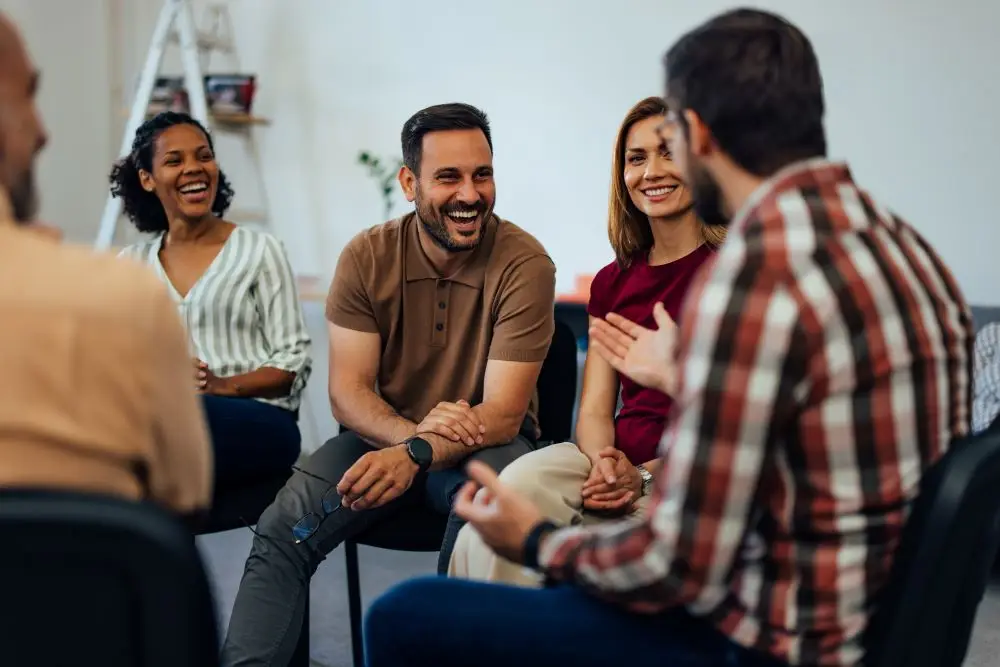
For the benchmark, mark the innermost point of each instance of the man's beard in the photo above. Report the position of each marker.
(707, 196)
(23, 198)
(437, 227)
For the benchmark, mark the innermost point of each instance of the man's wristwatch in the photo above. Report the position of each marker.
(647, 480)
(420, 452)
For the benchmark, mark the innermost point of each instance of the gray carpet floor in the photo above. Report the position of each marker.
(225, 554)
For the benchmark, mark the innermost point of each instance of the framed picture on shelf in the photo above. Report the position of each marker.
(230, 93)
(169, 94)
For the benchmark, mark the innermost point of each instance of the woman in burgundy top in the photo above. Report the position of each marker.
(659, 245)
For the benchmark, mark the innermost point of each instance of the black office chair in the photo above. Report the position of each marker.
(91, 580)
(925, 614)
(417, 529)
(240, 505)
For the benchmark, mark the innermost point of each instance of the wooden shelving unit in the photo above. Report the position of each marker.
(229, 120)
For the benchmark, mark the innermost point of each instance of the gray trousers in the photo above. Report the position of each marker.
(270, 605)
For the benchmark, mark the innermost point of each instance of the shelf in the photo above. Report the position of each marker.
(230, 120)
(238, 119)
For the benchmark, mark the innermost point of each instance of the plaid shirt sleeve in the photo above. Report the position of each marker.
(986, 377)
(739, 364)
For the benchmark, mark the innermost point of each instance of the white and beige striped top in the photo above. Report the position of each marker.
(243, 313)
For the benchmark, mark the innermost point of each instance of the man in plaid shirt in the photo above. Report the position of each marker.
(986, 377)
(822, 366)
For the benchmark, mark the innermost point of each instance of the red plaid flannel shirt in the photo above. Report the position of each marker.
(824, 359)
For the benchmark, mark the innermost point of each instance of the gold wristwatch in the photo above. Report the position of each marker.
(647, 480)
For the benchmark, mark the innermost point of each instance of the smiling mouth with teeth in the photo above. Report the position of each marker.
(194, 187)
(463, 216)
(659, 192)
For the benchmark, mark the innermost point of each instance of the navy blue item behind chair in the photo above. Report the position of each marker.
(418, 529)
(924, 617)
(91, 580)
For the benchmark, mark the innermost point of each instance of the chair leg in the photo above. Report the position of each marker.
(301, 656)
(354, 603)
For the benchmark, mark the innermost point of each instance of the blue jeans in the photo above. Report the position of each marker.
(250, 439)
(444, 622)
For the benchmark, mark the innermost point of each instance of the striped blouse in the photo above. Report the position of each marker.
(243, 313)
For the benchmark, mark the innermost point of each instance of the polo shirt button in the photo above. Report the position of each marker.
(439, 326)
(442, 305)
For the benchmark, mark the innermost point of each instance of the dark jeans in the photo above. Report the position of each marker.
(270, 605)
(250, 439)
(441, 622)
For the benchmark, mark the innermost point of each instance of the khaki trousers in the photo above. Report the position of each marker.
(553, 478)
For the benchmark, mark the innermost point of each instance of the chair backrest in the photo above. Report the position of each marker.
(925, 614)
(557, 386)
(89, 580)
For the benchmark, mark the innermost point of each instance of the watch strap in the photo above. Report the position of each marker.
(534, 540)
(647, 480)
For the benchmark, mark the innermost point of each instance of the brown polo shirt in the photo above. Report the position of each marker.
(438, 332)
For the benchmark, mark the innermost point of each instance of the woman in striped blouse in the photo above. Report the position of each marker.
(234, 289)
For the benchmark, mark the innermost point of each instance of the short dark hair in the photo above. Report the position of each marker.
(438, 118)
(144, 208)
(753, 79)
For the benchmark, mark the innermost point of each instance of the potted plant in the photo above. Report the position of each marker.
(384, 172)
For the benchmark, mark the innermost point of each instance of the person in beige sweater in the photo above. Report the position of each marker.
(97, 392)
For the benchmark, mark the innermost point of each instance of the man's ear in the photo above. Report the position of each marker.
(700, 141)
(408, 182)
(146, 181)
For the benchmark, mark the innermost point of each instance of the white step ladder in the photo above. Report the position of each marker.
(174, 13)
(176, 24)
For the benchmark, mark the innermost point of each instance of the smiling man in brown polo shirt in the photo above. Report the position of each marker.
(439, 322)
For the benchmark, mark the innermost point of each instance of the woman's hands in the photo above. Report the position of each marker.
(614, 483)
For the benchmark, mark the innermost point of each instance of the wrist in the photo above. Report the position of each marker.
(533, 542)
(228, 387)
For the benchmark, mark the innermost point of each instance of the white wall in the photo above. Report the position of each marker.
(910, 90)
(72, 42)
(909, 86)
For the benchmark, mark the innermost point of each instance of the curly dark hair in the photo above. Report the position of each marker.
(144, 208)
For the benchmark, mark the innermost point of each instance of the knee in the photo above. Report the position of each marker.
(289, 505)
(525, 476)
(391, 613)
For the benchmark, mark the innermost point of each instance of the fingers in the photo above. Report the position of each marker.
(353, 474)
(595, 488)
(626, 326)
(467, 493)
(373, 475)
(470, 505)
(380, 493)
(607, 467)
(616, 342)
(456, 421)
(614, 494)
(440, 429)
(609, 505)
(662, 317)
(484, 475)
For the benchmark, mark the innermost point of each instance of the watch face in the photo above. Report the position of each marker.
(421, 452)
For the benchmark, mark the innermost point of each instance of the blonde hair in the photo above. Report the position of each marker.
(628, 227)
